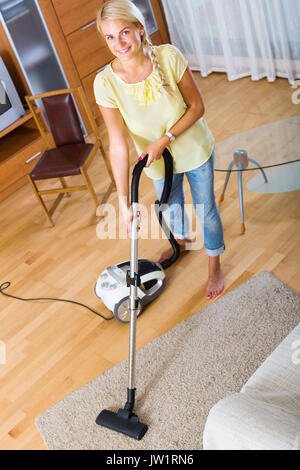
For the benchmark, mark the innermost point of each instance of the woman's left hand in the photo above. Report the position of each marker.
(155, 150)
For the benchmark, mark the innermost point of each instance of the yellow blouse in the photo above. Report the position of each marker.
(149, 112)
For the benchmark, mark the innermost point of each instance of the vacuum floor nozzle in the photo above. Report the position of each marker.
(123, 421)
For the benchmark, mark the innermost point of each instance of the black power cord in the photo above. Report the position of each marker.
(6, 284)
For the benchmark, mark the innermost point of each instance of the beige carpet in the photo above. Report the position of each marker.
(181, 374)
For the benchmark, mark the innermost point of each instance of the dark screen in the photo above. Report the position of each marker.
(5, 104)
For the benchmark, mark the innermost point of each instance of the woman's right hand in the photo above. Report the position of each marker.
(126, 211)
(127, 214)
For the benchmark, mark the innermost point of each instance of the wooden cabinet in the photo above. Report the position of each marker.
(88, 49)
(21, 147)
(84, 52)
(73, 14)
(88, 85)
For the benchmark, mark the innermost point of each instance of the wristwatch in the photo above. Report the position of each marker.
(171, 136)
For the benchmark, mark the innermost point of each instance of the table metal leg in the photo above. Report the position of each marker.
(240, 185)
(226, 180)
(241, 160)
(258, 165)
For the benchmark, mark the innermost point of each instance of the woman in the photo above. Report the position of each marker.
(149, 91)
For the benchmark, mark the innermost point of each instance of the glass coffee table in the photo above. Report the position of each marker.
(270, 145)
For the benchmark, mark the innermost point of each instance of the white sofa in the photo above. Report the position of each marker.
(265, 415)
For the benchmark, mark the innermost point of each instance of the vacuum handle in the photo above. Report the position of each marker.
(137, 171)
(158, 204)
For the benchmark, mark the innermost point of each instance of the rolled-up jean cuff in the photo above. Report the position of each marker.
(217, 252)
(179, 236)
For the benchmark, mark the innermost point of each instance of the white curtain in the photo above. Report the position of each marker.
(260, 38)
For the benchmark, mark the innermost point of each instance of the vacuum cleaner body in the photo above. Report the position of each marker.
(113, 287)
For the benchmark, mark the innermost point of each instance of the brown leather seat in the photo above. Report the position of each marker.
(61, 161)
(71, 155)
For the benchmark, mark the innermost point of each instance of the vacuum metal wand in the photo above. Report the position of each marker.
(133, 295)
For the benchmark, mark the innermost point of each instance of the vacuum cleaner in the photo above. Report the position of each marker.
(132, 289)
(112, 286)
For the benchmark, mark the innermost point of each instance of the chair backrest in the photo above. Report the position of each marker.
(63, 119)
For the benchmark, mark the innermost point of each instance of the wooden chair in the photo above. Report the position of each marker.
(71, 154)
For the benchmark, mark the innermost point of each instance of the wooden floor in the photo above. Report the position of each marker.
(53, 348)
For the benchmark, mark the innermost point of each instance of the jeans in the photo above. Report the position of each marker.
(201, 181)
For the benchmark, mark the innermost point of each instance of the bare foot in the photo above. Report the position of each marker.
(215, 284)
(168, 253)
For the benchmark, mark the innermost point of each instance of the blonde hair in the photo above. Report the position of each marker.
(126, 10)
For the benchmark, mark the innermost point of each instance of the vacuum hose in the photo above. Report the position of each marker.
(159, 205)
